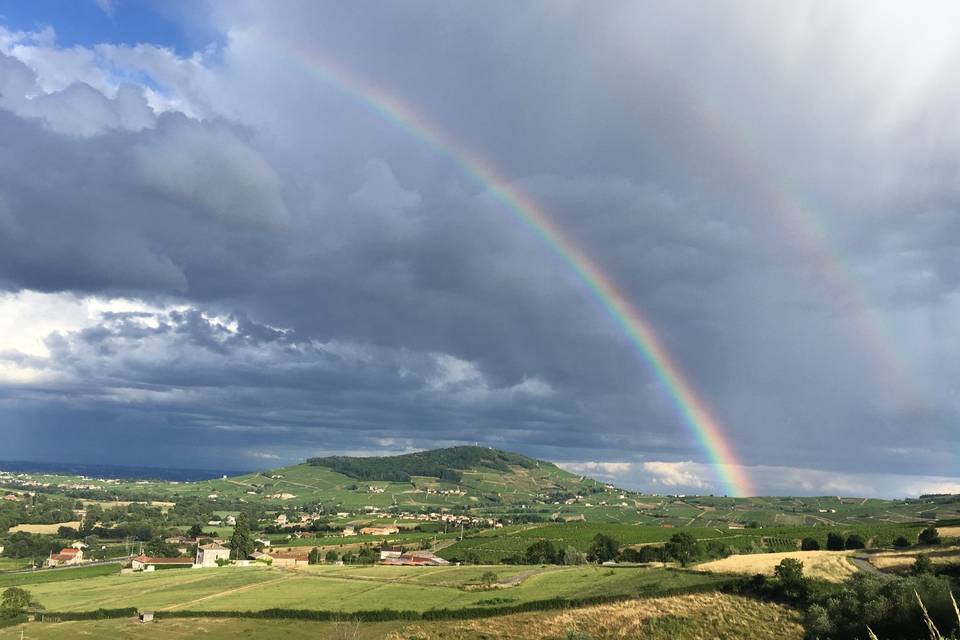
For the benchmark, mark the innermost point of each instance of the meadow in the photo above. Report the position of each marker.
(349, 589)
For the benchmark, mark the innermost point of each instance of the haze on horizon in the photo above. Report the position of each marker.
(216, 252)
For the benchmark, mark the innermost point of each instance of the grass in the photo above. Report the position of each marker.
(44, 528)
(692, 617)
(350, 589)
(712, 615)
(831, 566)
(58, 575)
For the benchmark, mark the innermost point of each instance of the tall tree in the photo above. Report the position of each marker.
(241, 543)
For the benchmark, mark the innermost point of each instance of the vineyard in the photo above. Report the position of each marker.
(493, 547)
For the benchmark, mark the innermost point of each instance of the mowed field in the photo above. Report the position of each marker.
(832, 566)
(351, 589)
(711, 615)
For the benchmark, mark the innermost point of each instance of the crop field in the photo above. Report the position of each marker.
(694, 616)
(831, 566)
(355, 588)
(495, 546)
(59, 575)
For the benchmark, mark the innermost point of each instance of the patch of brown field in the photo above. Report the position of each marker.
(896, 560)
(44, 528)
(692, 617)
(949, 532)
(833, 566)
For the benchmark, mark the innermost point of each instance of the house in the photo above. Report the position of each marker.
(736, 525)
(65, 557)
(146, 616)
(231, 521)
(208, 554)
(146, 563)
(390, 552)
(1, 549)
(282, 519)
(348, 531)
(215, 523)
(380, 531)
(263, 542)
(12, 497)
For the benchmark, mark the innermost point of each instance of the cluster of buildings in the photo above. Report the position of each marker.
(397, 556)
(65, 557)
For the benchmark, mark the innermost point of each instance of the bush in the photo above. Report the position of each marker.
(541, 552)
(922, 565)
(855, 541)
(809, 544)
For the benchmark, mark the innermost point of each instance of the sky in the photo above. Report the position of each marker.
(240, 234)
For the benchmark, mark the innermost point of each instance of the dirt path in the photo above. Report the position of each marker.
(226, 593)
(863, 564)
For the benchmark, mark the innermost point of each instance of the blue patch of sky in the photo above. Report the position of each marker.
(174, 24)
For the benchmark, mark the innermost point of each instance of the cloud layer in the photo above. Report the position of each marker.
(282, 271)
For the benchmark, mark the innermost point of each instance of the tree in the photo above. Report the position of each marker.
(314, 556)
(331, 556)
(809, 544)
(15, 602)
(603, 548)
(835, 542)
(195, 531)
(571, 555)
(930, 535)
(541, 552)
(922, 565)
(855, 541)
(789, 575)
(901, 542)
(241, 542)
(471, 556)
(66, 532)
(683, 548)
(93, 515)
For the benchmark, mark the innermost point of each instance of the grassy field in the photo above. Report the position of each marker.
(832, 566)
(694, 616)
(355, 588)
(11, 564)
(59, 575)
(903, 560)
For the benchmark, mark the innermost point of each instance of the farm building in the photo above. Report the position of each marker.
(11, 497)
(146, 563)
(380, 531)
(348, 531)
(146, 616)
(285, 560)
(65, 557)
(390, 552)
(208, 554)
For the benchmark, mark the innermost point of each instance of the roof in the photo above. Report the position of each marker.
(149, 560)
(69, 551)
(214, 546)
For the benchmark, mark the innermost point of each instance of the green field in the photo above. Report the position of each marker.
(350, 589)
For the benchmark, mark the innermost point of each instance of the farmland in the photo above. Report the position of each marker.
(350, 589)
(830, 566)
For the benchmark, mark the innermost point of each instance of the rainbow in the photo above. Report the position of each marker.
(694, 411)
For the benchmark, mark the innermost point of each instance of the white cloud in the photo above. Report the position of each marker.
(679, 474)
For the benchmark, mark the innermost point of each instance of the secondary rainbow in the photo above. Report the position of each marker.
(639, 331)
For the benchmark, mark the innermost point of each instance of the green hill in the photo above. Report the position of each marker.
(445, 464)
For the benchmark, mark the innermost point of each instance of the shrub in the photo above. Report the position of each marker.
(541, 552)
(922, 565)
(901, 542)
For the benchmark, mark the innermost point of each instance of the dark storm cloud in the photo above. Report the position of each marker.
(665, 143)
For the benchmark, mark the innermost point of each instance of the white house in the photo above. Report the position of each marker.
(208, 554)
